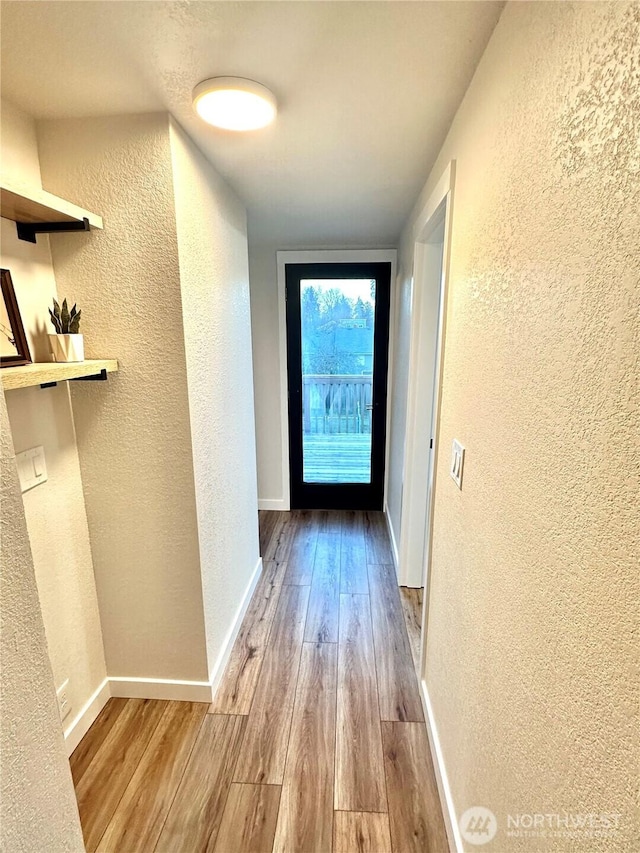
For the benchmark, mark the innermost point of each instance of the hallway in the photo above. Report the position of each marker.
(316, 738)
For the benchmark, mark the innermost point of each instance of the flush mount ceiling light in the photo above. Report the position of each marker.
(234, 103)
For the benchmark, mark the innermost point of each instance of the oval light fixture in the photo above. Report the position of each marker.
(234, 103)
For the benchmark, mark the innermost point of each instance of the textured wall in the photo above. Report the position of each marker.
(134, 435)
(535, 574)
(57, 525)
(214, 278)
(55, 511)
(266, 368)
(19, 162)
(32, 752)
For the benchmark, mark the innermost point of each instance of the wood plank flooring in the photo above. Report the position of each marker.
(305, 822)
(196, 813)
(360, 783)
(264, 747)
(315, 741)
(249, 819)
(412, 606)
(141, 813)
(235, 693)
(117, 757)
(412, 789)
(397, 684)
(361, 832)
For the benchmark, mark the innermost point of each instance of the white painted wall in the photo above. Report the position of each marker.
(134, 433)
(38, 809)
(19, 162)
(263, 274)
(214, 280)
(55, 511)
(167, 447)
(534, 583)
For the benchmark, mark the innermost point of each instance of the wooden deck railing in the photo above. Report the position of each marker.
(336, 404)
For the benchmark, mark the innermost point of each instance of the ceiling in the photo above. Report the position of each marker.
(366, 91)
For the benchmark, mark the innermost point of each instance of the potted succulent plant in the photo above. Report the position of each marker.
(67, 344)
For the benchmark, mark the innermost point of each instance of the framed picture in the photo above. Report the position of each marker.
(14, 349)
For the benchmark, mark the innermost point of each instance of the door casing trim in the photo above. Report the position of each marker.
(440, 199)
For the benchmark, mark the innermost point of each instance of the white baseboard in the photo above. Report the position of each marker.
(442, 780)
(217, 671)
(392, 537)
(81, 724)
(161, 688)
(273, 503)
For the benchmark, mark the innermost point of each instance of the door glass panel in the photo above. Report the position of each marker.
(337, 318)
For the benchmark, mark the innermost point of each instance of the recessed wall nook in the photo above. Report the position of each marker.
(130, 606)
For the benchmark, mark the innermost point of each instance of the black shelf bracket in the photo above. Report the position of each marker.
(28, 230)
(95, 377)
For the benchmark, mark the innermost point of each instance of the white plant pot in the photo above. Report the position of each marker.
(67, 347)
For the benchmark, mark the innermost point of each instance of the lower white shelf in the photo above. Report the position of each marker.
(45, 373)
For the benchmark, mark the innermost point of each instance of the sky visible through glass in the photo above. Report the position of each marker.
(351, 288)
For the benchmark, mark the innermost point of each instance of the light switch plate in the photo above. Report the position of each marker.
(32, 468)
(457, 463)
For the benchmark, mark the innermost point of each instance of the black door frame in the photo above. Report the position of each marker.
(368, 496)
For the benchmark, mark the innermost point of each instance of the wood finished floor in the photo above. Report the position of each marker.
(412, 606)
(315, 742)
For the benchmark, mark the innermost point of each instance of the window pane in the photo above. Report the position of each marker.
(337, 379)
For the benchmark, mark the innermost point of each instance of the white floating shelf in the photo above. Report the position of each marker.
(47, 373)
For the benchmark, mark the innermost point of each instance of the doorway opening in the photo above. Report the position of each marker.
(337, 322)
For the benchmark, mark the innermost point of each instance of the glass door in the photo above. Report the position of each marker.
(337, 348)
